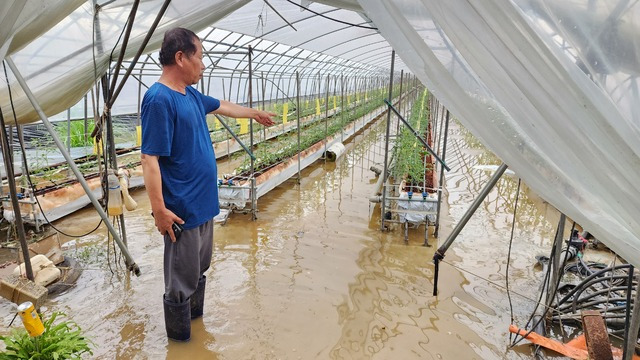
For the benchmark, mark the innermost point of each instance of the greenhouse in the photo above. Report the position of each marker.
(441, 179)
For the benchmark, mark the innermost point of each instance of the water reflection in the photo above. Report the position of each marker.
(315, 278)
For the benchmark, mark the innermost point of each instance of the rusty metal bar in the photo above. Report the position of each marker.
(595, 333)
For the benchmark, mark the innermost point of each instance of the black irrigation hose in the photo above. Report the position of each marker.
(592, 277)
(576, 299)
(594, 303)
(26, 170)
(589, 267)
(577, 318)
(609, 289)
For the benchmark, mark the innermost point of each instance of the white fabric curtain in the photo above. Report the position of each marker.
(551, 87)
(59, 65)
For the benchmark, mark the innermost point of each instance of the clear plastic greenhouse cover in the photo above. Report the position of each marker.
(59, 64)
(550, 86)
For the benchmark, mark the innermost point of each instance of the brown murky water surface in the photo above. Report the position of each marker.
(314, 277)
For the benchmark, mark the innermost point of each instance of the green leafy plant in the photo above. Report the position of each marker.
(409, 155)
(77, 132)
(62, 340)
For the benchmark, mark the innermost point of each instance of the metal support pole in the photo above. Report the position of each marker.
(439, 138)
(342, 109)
(400, 101)
(111, 149)
(86, 118)
(440, 187)
(254, 199)
(69, 129)
(131, 265)
(11, 143)
(26, 183)
(558, 263)
(244, 147)
(439, 255)
(298, 120)
(386, 146)
(630, 337)
(8, 165)
(434, 125)
(326, 119)
(264, 108)
(634, 324)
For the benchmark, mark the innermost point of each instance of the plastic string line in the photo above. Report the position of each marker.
(555, 289)
(496, 284)
(26, 170)
(332, 19)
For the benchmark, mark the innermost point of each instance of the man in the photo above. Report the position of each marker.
(180, 174)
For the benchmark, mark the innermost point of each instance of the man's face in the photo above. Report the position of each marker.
(192, 66)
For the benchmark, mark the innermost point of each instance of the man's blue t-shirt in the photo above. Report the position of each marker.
(174, 128)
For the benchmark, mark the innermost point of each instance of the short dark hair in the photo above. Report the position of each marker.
(177, 39)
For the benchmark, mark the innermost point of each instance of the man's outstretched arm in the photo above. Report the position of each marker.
(236, 111)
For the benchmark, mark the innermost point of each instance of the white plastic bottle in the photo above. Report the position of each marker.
(114, 206)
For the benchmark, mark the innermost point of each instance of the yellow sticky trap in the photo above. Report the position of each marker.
(334, 102)
(138, 135)
(306, 103)
(97, 147)
(366, 97)
(285, 112)
(216, 124)
(348, 99)
(244, 125)
(317, 106)
(357, 96)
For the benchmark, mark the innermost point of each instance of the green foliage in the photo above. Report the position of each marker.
(77, 132)
(59, 341)
(272, 152)
(409, 153)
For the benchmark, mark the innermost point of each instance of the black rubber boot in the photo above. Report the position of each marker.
(177, 321)
(197, 299)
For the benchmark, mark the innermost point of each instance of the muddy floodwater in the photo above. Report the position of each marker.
(315, 278)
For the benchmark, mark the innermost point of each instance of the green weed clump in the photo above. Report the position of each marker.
(78, 135)
(62, 340)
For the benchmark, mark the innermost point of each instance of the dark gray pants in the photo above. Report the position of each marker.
(186, 260)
